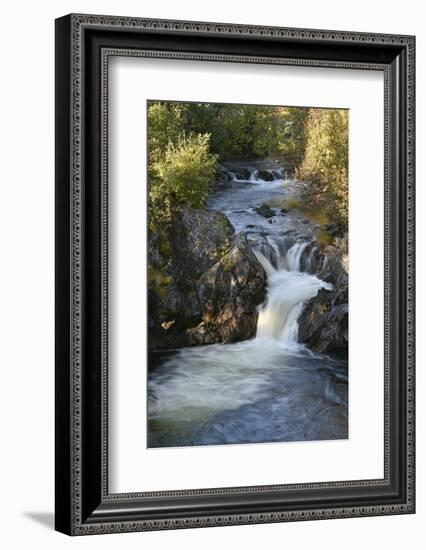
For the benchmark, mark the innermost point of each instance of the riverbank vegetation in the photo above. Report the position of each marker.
(181, 175)
(188, 141)
(325, 162)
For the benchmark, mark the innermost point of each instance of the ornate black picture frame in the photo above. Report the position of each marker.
(83, 45)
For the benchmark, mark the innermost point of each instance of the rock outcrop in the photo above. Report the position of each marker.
(229, 293)
(265, 210)
(323, 324)
(204, 282)
(267, 175)
(221, 180)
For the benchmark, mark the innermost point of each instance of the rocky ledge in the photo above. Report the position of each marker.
(204, 282)
(323, 324)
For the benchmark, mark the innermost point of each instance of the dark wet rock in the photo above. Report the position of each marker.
(203, 282)
(243, 173)
(221, 181)
(285, 210)
(265, 175)
(220, 185)
(229, 293)
(261, 170)
(237, 172)
(265, 211)
(323, 324)
(224, 173)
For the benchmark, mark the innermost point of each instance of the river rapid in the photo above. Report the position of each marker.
(270, 388)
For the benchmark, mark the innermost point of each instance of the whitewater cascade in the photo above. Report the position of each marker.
(288, 290)
(289, 287)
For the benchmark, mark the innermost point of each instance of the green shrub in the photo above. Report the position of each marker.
(181, 176)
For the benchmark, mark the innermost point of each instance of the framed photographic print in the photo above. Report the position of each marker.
(234, 274)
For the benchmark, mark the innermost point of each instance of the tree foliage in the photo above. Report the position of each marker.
(181, 176)
(325, 162)
(236, 131)
(292, 149)
(186, 140)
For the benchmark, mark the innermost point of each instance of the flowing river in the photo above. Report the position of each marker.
(270, 388)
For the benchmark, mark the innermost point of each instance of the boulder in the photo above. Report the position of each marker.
(265, 211)
(229, 293)
(237, 172)
(203, 282)
(198, 239)
(221, 181)
(323, 324)
(265, 175)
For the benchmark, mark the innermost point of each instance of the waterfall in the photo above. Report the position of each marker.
(288, 290)
(253, 174)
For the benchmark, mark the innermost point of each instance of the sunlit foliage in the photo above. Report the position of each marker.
(325, 162)
(181, 176)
